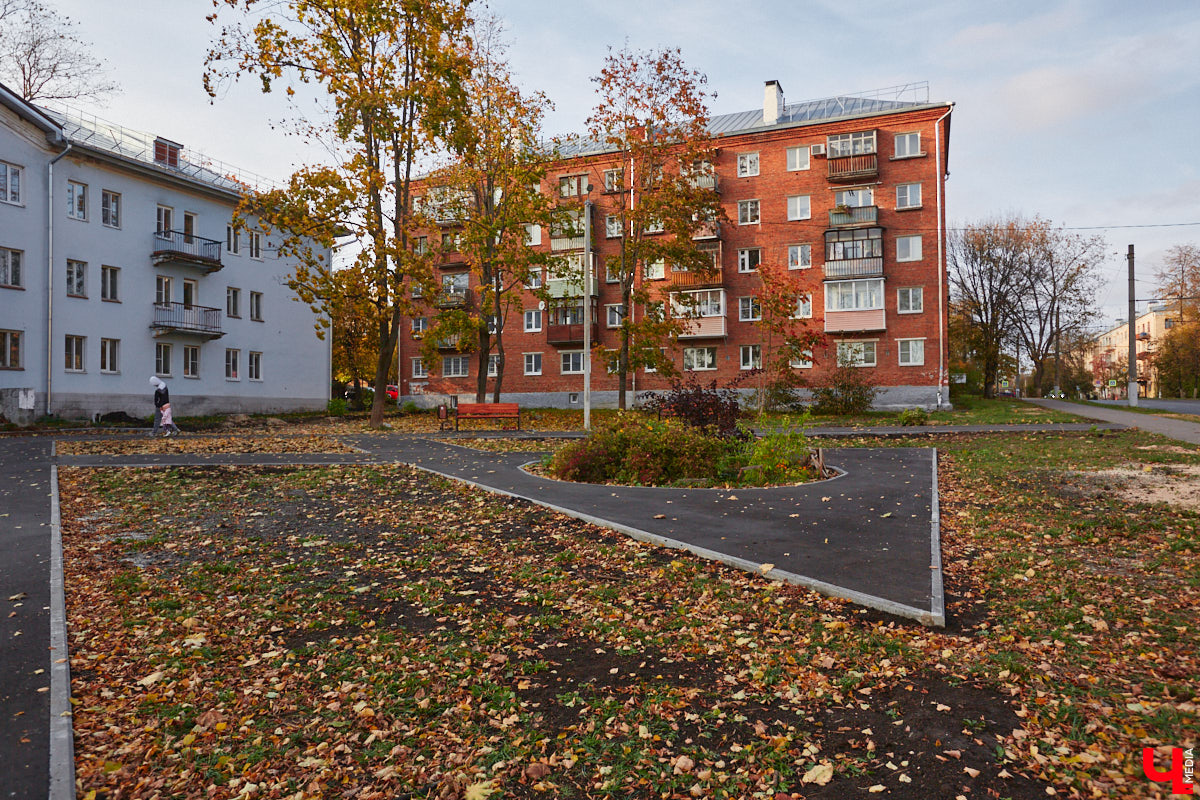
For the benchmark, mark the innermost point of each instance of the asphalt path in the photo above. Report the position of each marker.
(1164, 426)
(1159, 404)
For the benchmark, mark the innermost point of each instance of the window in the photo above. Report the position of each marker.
(419, 325)
(533, 363)
(533, 320)
(856, 354)
(749, 259)
(747, 212)
(162, 289)
(191, 290)
(418, 368)
(10, 349)
(614, 313)
(572, 185)
(612, 226)
(493, 365)
(696, 359)
(255, 244)
(851, 144)
(109, 355)
(859, 197)
(166, 152)
(77, 200)
(803, 308)
(799, 207)
(799, 256)
(256, 306)
(191, 361)
(908, 248)
(908, 144)
(572, 362)
(73, 361)
(802, 360)
(655, 270)
(912, 352)
(909, 300)
(189, 226)
(232, 364)
(747, 165)
(76, 278)
(254, 366)
(455, 284)
(110, 209)
(653, 226)
(162, 358)
(10, 183)
(10, 267)
(421, 245)
(108, 284)
(858, 243)
(704, 303)
(908, 195)
(455, 367)
(614, 180)
(233, 242)
(611, 275)
(233, 302)
(751, 356)
(864, 295)
(797, 158)
(749, 309)
(449, 242)
(534, 279)
(533, 234)
(165, 219)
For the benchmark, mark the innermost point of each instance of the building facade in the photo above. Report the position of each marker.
(119, 260)
(1109, 353)
(848, 193)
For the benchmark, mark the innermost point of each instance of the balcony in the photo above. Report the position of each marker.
(702, 327)
(453, 299)
(679, 277)
(1143, 337)
(845, 217)
(181, 249)
(450, 343)
(855, 321)
(188, 320)
(704, 181)
(854, 268)
(570, 333)
(847, 169)
(708, 229)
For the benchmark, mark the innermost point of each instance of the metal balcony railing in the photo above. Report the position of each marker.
(452, 300)
(181, 318)
(187, 248)
(854, 215)
(855, 268)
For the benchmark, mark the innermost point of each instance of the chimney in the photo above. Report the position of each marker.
(772, 103)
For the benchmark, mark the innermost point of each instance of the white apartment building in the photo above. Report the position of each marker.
(119, 260)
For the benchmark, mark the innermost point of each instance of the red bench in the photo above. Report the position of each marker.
(499, 411)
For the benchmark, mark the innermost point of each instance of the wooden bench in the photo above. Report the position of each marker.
(499, 411)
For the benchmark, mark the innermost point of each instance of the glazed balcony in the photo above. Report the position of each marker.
(854, 268)
(182, 249)
(702, 327)
(848, 169)
(708, 229)
(189, 320)
(849, 216)
(855, 321)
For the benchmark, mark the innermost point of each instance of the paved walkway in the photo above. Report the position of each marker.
(1164, 426)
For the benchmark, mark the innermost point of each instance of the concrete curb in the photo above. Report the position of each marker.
(936, 589)
(62, 733)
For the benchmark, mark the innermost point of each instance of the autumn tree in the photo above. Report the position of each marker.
(391, 73)
(488, 198)
(43, 57)
(354, 329)
(1178, 279)
(1177, 360)
(782, 306)
(652, 114)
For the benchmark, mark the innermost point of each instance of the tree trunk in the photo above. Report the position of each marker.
(388, 332)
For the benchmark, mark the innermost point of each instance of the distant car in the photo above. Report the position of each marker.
(393, 391)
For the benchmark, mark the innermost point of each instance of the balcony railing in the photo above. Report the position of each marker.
(188, 249)
(854, 215)
(704, 180)
(683, 277)
(855, 321)
(854, 268)
(853, 168)
(452, 300)
(570, 333)
(187, 319)
(701, 327)
(709, 229)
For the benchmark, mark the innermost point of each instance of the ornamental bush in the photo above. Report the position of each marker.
(846, 390)
(780, 457)
(698, 405)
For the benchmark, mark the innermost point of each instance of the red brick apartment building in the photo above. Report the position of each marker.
(848, 192)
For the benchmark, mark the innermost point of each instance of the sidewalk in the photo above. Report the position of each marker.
(1164, 426)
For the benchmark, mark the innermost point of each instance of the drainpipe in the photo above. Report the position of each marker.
(587, 315)
(937, 138)
(50, 273)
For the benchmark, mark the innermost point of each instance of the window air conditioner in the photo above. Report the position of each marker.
(817, 150)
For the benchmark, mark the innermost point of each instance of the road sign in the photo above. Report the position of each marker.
(1112, 382)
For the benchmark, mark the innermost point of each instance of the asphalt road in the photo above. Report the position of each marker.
(1177, 406)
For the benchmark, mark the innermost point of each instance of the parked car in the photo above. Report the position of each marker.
(393, 391)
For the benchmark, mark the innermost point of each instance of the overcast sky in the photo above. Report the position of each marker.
(1081, 111)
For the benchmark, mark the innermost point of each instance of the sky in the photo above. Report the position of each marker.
(1078, 111)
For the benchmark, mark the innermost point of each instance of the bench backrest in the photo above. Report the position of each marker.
(488, 409)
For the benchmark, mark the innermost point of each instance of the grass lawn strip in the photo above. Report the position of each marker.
(243, 443)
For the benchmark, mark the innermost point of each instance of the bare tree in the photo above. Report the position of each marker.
(1179, 277)
(44, 59)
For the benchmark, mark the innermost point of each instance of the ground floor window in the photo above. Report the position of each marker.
(912, 352)
(751, 356)
(233, 365)
(162, 359)
(73, 353)
(802, 360)
(191, 361)
(110, 355)
(455, 367)
(10, 349)
(493, 365)
(572, 362)
(533, 363)
(696, 359)
(254, 366)
(856, 354)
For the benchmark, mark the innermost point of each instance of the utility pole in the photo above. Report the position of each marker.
(1133, 370)
(1057, 349)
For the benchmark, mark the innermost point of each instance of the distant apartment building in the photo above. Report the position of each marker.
(847, 192)
(119, 260)
(1109, 353)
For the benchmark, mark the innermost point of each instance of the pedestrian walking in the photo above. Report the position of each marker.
(161, 398)
(168, 421)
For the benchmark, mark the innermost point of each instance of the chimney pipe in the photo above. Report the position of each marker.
(772, 103)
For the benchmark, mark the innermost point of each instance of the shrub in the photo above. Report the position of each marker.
(698, 405)
(846, 391)
(409, 407)
(914, 416)
(780, 457)
(337, 406)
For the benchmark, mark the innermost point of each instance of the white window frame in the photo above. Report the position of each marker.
(612, 226)
(614, 179)
(908, 139)
(744, 259)
(12, 263)
(856, 197)
(709, 359)
(419, 324)
(451, 367)
(533, 320)
(110, 283)
(493, 367)
(191, 293)
(614, 313)
(834, 295)
(191, 361)
(233, 364)
(905, 296)
(750, 356)
(164, 289)
(256, 245)
(798, 158)
(799, 206)
(233, 302)
(803, 361)
(908, 248)
(534, 279)
(76, 278)
(908, 196)
(851, 144)
(110, 208)
(110, 356)
(856, 352)
(654, 270)
(749, 309)
(77, 200)
(804, 306)
(910, 345)
(233, 240)
(254, 365)
(11, 176)
(708, 303)
(163, 356)
(418, 368)
(567, 362)
(533, 363)
(164, 219)
(10, 349)
(74, 349)
(256, 306)
(799, 256)
(533, 235)
(749, 212)
(747, 165)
